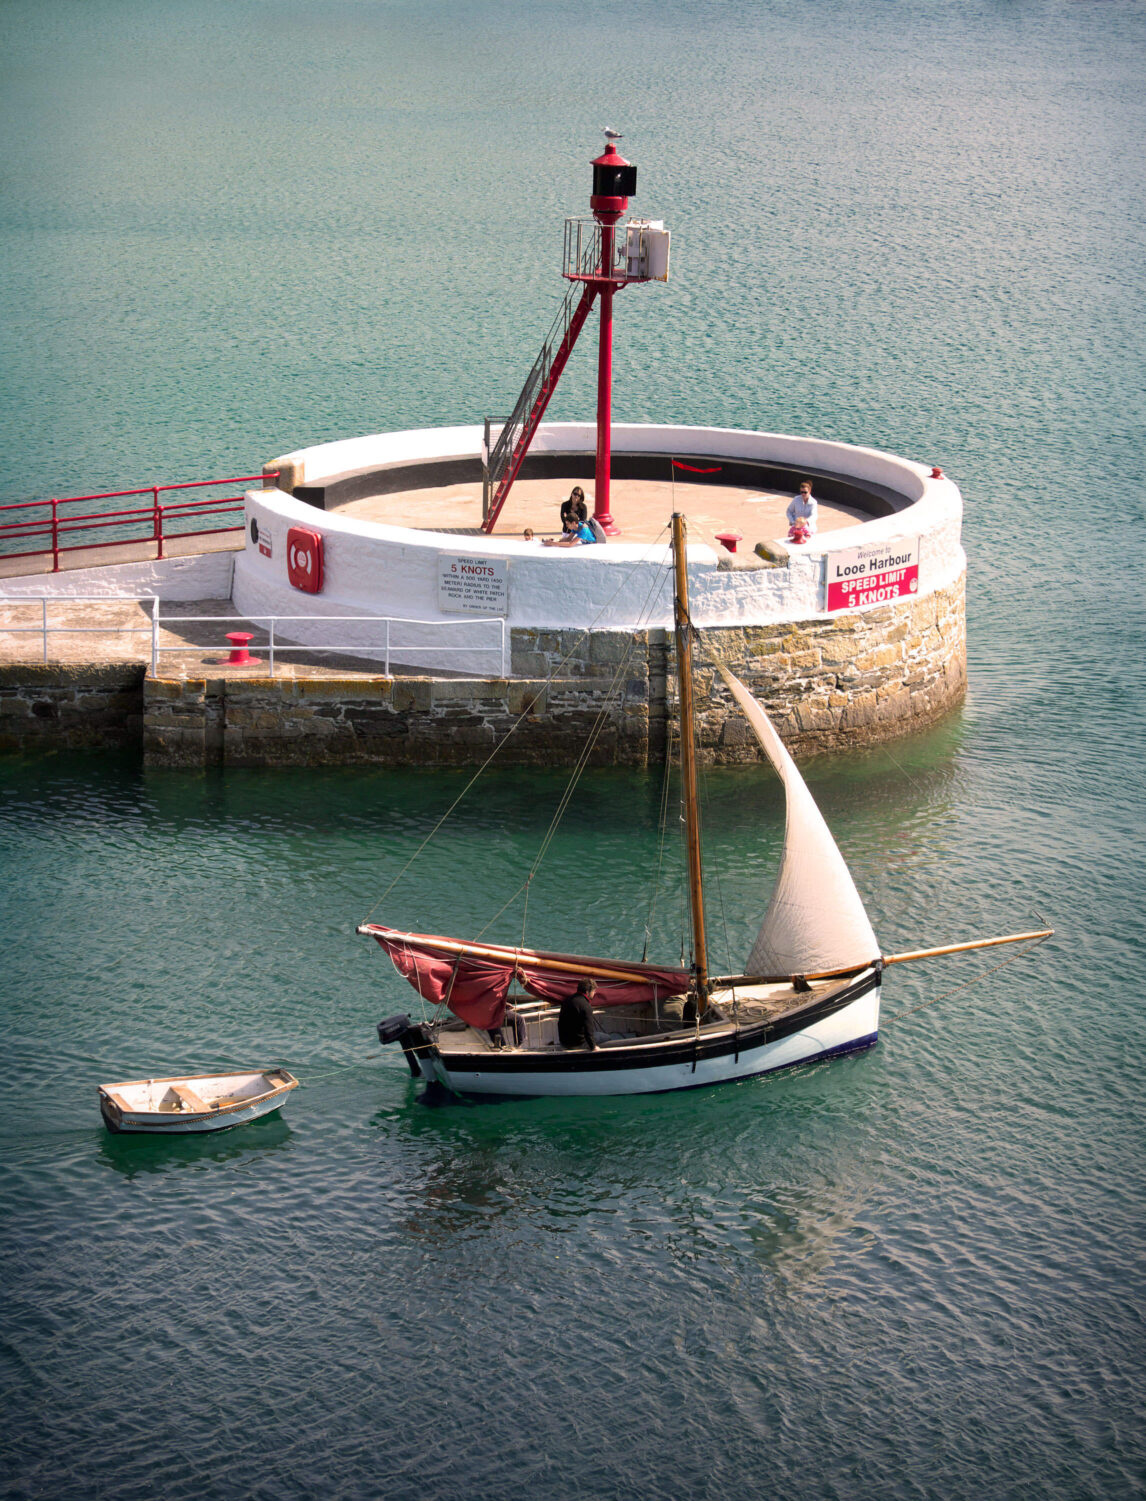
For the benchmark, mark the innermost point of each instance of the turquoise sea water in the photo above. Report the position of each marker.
(228, 230)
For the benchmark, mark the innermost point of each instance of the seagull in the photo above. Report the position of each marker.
(611, 134)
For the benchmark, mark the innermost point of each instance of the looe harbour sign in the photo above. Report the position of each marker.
(872, 575)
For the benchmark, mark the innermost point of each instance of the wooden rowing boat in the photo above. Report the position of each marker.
(193, 1102)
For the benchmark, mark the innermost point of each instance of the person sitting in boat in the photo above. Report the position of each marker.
(801, 514)
(575, 506)
(575, 1025)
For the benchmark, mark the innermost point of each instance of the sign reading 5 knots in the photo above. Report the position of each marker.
(872, 575)
(474, 586)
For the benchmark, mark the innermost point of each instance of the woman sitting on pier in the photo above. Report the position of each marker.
(574, 507)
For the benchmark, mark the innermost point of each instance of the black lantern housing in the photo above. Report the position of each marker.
(611, 181)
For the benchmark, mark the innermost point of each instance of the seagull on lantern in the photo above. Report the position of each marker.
(611, 134)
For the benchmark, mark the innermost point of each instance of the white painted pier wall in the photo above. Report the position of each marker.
(372, 568)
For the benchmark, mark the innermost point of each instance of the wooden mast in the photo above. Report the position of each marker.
(688, 760)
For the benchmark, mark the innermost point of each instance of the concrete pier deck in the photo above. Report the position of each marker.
(641, 509)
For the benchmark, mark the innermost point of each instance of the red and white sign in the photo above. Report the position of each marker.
(265, 538)
(873, 575)
(304, 559)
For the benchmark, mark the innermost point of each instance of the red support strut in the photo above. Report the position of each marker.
(614, 179)
(537, 411)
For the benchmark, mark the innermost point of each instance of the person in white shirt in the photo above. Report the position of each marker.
(802, 509)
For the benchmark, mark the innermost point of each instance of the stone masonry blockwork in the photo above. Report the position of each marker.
(828, 682)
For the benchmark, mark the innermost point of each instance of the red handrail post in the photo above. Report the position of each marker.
(158, 519)
(55, 535)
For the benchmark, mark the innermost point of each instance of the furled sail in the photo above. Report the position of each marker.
(815, 920)
(473, 979)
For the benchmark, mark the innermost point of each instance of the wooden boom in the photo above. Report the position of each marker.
(558, 964)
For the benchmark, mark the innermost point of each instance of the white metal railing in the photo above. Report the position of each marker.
(357, 648)
(388, 645)
(45, 630)
(639, 251)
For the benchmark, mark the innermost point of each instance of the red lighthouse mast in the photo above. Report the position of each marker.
(600, 263)
(614, 180)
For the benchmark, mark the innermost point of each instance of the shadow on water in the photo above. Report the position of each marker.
(132, 1155)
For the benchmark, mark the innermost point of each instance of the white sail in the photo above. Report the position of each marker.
(815, 920)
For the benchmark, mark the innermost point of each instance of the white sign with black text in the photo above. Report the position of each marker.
(473, 586)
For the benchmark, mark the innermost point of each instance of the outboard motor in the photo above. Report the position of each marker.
(392, 1028)
(412, 1038)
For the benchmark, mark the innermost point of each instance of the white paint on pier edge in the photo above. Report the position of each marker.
(376, 569)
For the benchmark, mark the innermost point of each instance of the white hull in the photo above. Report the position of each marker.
(658, 1067)
(185, 1126)
(192, 1104)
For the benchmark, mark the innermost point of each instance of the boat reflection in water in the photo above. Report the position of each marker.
(134, 1155)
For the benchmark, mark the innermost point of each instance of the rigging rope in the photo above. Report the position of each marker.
(582, 761)
(518, 721)
(662, 827)
(719, 886)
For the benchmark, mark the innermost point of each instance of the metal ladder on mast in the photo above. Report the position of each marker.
(502, 462)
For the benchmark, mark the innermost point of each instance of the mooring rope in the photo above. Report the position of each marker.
(330, 1073)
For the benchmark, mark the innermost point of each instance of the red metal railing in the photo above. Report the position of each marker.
(156, 522)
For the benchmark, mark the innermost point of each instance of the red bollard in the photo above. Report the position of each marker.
(730, 539)
(240, 656)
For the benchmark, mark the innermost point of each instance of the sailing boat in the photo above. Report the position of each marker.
(810, 988)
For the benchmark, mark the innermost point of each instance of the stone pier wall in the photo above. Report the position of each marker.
(401, 721)
(840, 680)
(60, 706)
(828, 683)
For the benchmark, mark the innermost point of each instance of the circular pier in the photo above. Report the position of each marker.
(858, 635)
